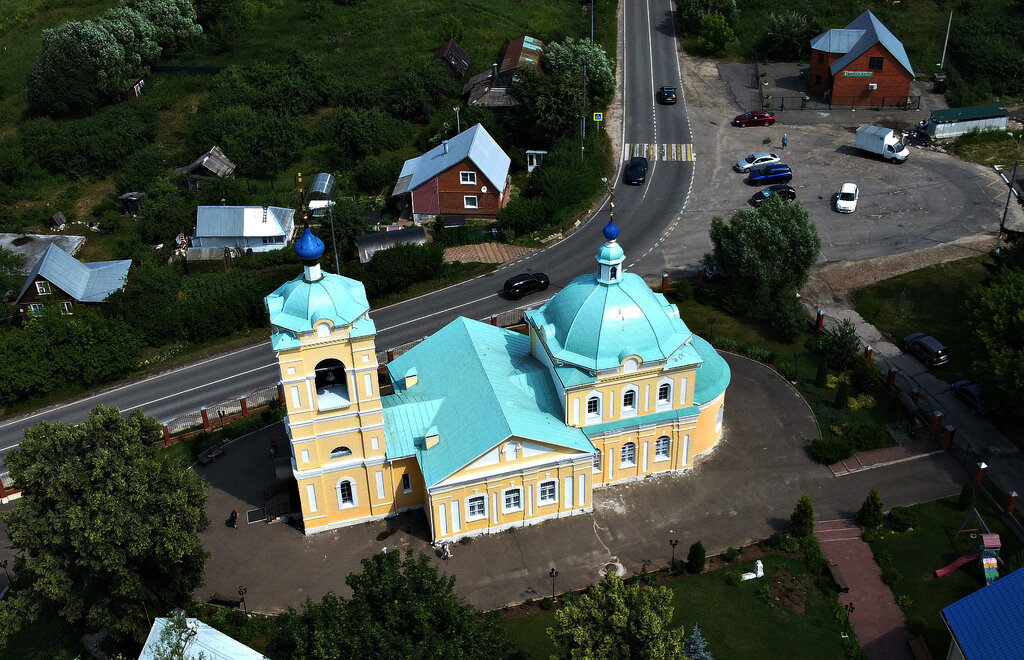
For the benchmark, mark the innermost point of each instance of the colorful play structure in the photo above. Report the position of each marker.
(988, 549)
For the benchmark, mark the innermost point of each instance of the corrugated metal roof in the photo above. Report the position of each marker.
(206, 642)
(987, 624)
(475, 143)
(214, 160)
(368, 244)
(322, 187)
(455, 59)
(248, 221)
(970, 113)
(89, 282)
(856, 38)
(494, 390)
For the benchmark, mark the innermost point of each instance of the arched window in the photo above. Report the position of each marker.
(628, 455)
(346, 494)
(614, 273)
(597, 461)
(664, 393)
(511, 450)
(594, 406)
(661, 448)
(331, 384)
(628, 400)
(340, 452)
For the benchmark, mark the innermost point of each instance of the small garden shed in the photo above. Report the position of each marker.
(957, 121)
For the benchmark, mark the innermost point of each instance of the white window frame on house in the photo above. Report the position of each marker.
(506, 494)
(467, 178)
(35, 308)
(547, 493)
(43, 288)
(663, 448)
(470, 202)
(482, 514)
(65, 308)
(351, 501)
(598, 457)
(406, 483)
(630, 409)
(628, 458)
(664, 402)
(592, 400)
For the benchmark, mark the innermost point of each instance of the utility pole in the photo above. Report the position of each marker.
(946, 43)
(1009, 193)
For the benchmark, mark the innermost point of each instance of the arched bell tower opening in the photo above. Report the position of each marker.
(331, 384)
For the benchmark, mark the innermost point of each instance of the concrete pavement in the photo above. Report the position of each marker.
(744, 490)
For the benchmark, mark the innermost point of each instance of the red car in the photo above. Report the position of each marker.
(754, 118)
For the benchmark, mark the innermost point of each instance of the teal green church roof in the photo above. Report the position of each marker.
(299, 303)
(477, 385)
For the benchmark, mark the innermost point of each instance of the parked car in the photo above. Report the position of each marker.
(846, 200)
(755, 161)
(667, 95)
(754, 118)
(780, 190)
(970, 393)
(927, 349)
(520, 285)
(779, 173)
(636, 170)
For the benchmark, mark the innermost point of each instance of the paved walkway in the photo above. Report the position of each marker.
(877, 620)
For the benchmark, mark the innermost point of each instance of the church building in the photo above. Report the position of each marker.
(490, 428)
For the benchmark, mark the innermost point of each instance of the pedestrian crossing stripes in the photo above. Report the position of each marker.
(659, 151)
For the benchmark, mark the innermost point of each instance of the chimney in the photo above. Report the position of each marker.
(444, 143)
(411, 378)
(494, 71)
(431, 439)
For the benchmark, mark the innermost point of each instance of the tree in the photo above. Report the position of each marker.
(696, 647)
(174, 22)
(136, 35)
(801, 522)
(714, 34)
(401, 607)
(785, 35)
(870, 514)
(450, 27)
(109, 528)
(696, 558)
(998, 327)
(842, 395)
(554, 105)
(841, 345)
(11, 275)
(617, 619)
(691, 12)
(564, 61)
(769, 249)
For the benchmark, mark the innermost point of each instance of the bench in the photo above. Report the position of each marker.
(225, 599)
(919, 649)
(837, 575)
(210, 455)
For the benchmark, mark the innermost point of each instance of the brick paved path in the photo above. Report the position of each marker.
(876, 619)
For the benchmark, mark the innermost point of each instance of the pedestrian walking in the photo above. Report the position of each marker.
(273, 447)
(785, 140)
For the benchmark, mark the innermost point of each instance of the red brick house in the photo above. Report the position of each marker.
(465, 176)
(861, 64)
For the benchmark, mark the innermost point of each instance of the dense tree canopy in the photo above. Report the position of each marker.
(109, 527)
(691, 12)
(618, 619)
(401, 607)
(11, 276)
(566, 60)
(997, 318)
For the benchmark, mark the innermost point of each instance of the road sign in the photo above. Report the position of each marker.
(598, 116)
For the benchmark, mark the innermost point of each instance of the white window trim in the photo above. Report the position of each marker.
(630, 411)
(406, 478)
(600, 406)
(504, 507)
(668, 453)
(355, 495)
(596, 462)
(470, 516)
(43, 288)
(623, 462)
(467, 205)
(333, 457)
(35, 308)
(683, 386)
(65, 308)
(467, 178)
(666, 403)
(541, 501)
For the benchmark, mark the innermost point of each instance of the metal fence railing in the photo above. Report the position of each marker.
(806, 102)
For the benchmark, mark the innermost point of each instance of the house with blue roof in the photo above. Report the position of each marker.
(988, 624)
(486, 428)
(861, 64)
(60, 279)
(463, 177)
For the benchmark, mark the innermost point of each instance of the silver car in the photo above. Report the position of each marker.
(754, 161)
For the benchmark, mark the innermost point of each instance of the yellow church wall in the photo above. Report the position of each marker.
(709, 428)
(611, 391)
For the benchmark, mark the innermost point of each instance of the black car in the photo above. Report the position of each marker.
(780, 190)
(667, 95)
(520, 285)
(927, 349)
(636, 171)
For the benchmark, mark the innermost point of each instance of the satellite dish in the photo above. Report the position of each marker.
(483, 188)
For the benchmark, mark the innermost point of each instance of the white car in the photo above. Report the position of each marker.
(846, 200)
(755, 161)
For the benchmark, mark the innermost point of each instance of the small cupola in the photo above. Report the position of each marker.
(610, 256)
(309, 248)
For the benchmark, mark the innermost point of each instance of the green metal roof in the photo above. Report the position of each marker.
(974, 112)
(478, 385)
(596, 325)
(297, 304)
(712, 376)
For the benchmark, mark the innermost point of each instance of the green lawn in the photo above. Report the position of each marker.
(736, 622)
(932, 545)
(929, 300)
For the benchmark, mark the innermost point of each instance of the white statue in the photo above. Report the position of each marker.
(758, 572)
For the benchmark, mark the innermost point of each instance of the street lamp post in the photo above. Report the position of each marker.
(1009, 193)
(846, 626)
(552, 574)
(241, 596)
(711, 331)
(673, 543)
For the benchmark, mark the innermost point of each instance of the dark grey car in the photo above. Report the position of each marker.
(927, 349)
(519, 285)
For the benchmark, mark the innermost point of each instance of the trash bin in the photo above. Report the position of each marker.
(939, 84)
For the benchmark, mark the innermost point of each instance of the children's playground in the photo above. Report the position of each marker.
(986, 550)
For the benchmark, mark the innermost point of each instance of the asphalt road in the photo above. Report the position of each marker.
(932, 198)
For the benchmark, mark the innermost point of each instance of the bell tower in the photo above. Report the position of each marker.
(324, 340)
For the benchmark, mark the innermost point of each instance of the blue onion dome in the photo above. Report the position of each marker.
(309, 247)
(611, 231)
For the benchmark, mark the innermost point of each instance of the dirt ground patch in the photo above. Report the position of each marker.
(789, 592)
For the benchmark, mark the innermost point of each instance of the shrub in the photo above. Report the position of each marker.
(902, 519)
(917, 625)
(821, 377)
(892, 577)
(865, 435)
(732, 554)
(546, 603)
(783, 542)
(872, 535)
(861, 402)
(904, 602)
(759, 354)
(829, 451)
(732, 578)
(870, 514)
(817, 564)
(840, 345)
(842, 395)
(726, 344)
(801, 522)
(678, 567)
(696, 559)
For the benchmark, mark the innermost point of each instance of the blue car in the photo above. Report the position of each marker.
(970, 393)
(771, 174)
